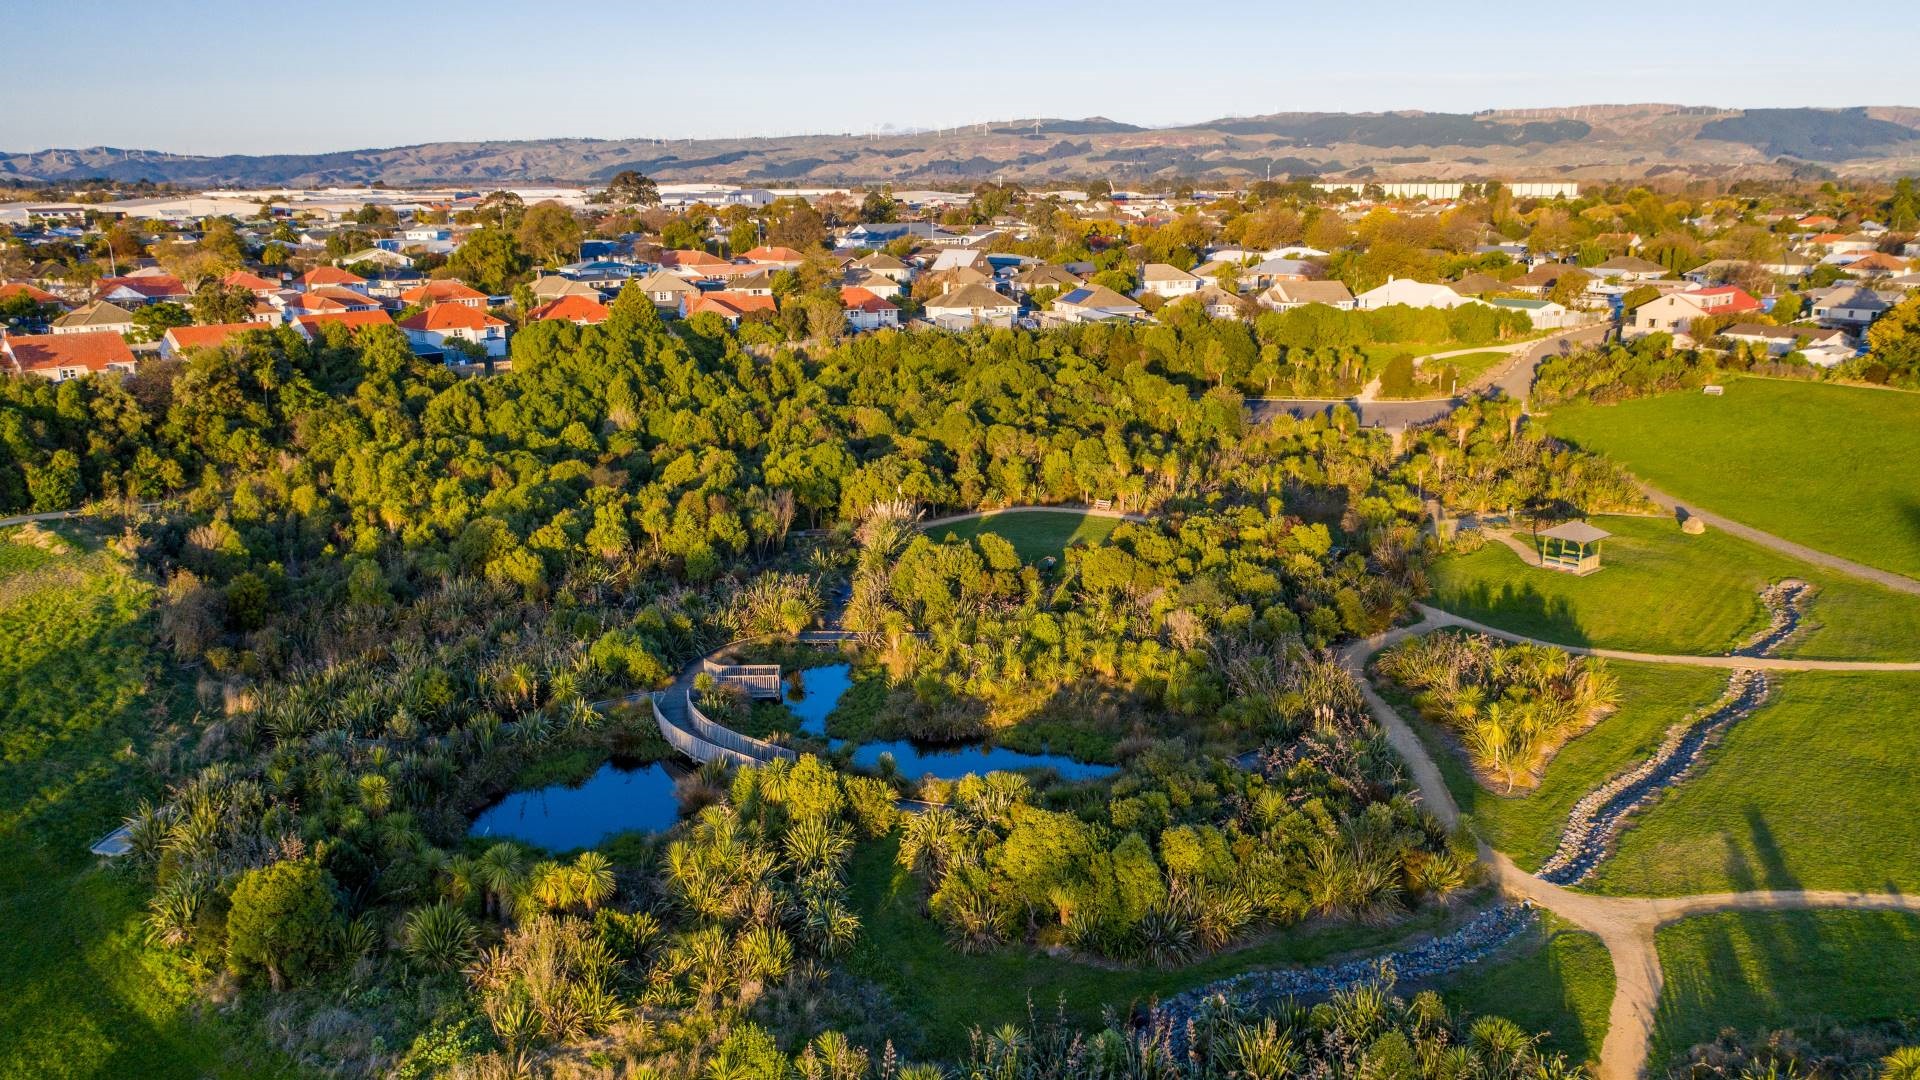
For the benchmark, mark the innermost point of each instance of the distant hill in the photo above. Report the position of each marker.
(1579, 142)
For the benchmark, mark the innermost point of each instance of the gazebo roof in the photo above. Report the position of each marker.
(1577, 532)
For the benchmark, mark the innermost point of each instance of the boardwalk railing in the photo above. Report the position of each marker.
(742, 747)
(758, 680)
(694, 746)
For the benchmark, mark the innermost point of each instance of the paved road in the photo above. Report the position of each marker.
(1784, 546)
(1625, 925)
(1514, 379)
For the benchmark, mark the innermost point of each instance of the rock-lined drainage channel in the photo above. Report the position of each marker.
(1474, 941)
(1597, 819)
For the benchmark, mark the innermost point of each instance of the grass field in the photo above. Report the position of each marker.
(1560, 983)
(942, 993)
(1759, 971)
(1035, 534)
(1816, 790)
(80, 993)
(1827, 466)
(1653, 697)
(1660, 590)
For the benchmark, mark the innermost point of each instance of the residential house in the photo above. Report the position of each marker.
(1541, 279)
(669, 291)
(1287, 295)
(690, 263)
(141, 288)
(1094, 303)
(880, 234)
(1264, 274)
(574, 308)
(553, 287)
(1849, 307)
(1161, 279)
(1045, 276)
(332, 277)
(253, 283)
(867, 310)
(872, 282)
(376, 256)
(1545, 314)
(1411, 293)
(60, 357)
(444, 291)
(730, 306)
(959, 277)
(1629, 269)
(1876, 264)
(1724, 300)
(40, 296)
(757, 283)
(325, 300)
(971, 305)
(1479, 283)
(1219, 303)
(1824, 348)
(177, 340)
(309, 326)
(961, 258)
(101, 315)
(432, 329)
(884, 265)
(779, 258)
(1670, 314)
(1837, 245)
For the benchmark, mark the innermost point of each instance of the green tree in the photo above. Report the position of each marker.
(282, 920)
(151, 322)
(549, 233)
(630, 188)
(214, 303)
(489, 260)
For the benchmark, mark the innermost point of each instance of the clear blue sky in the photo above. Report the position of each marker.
(221, 77)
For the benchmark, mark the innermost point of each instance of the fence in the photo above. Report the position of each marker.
(743, 747)
(759, 680)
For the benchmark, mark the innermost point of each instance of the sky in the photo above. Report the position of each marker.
(216, 77)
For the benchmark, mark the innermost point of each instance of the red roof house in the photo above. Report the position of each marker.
(66, 356)
(576, 309)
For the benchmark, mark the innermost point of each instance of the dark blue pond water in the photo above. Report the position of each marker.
(618, 798)
(813, 693)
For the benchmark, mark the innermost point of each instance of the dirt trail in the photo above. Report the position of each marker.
(1625, 925)
(1755, 663)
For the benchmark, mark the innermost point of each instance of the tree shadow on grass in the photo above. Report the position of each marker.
(1520, 608)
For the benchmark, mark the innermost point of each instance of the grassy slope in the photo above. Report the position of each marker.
(80, 994)
(1561, 983)
(1663, 591)
(1827, 466)
(1035, 535)
(1816, 790)
(943, 993)
(1754, 971)
(1653, 697)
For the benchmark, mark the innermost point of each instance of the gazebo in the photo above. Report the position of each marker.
(1573, 546)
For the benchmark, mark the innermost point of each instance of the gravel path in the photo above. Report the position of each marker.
(1802, 552)
(1758, 663)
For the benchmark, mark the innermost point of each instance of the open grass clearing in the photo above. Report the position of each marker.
(1816, 790)
(81, 691)
(1757, 971)
(1557, 981)
(1830, 467)
(1034, 534)
(942, 993)
(1660, 590)
(1527, 826)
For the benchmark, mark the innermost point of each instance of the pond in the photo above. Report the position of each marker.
(619, 797)
(813, 693)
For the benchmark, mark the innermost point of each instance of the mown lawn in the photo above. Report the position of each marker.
(1660, 590)
(1527, 826)
(1759, 971)
(81, 689)
(1830, 467)
(1035, 534)
(942, 993)
(1816, 790)
(1559, 982)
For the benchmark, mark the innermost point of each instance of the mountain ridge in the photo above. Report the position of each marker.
(1588, 142)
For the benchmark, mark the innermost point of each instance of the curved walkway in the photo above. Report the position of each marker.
(1062, 508)
(1886, 578)
(1625, 925)
(1758, 663)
